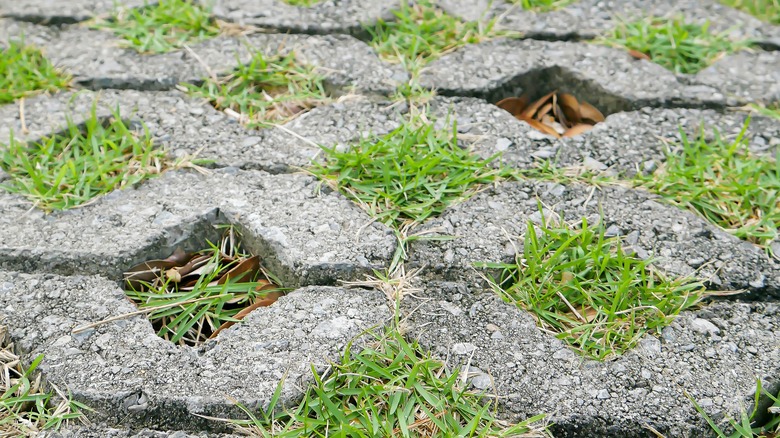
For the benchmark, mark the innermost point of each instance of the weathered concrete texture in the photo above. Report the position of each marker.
(490, 226)
(98, 59)
(714, 354)
(186, 126)
(305, 236)
(606, 77)
(587, 19)
(751, 76)
(326, 16)
(54, 12)
(133, 378)
(625, 144)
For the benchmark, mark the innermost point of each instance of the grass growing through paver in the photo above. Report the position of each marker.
(26, 408)
(391, 387)
(724, 182)
(421, 33)
(673, 43)
(767, 10)
(191, 297)
(267, 90)
(408, 175)
(542, 5)
(71, 169)
(583, 287)
(163, 26)
(25, 71)
(745, 428)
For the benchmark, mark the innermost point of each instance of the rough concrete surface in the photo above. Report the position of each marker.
(62, 270)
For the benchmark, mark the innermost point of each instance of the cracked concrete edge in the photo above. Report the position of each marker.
(490, 228)
(137, 379)
(98, 59)
(303, 234)
(714, 354)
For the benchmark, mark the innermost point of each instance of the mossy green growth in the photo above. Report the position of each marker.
(673, 43)
(390, 387)
(71, 169)
(25, 71)
(724, 182)
(163, 26)
(767, 10)
(267, 90)
(408, 175)
(584, 287)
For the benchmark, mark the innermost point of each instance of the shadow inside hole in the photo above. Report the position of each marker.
(190, 295)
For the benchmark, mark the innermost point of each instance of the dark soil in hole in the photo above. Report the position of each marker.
(192, 296)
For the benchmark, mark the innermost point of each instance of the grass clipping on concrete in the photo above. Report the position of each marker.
(25, 407)
(390, 387)
(74, 168)
(584, 288)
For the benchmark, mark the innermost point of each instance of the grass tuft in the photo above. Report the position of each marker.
(725, 183)
(267, 90)
(673, 43)
(163, 26)
(192, 297)
(582, 286)
(408, 175)
(68, 170)
(542, 5)
(26, 409)
(389, 388)
(25, 71)
(767, 10)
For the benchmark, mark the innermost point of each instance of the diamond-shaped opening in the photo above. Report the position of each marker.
(82, 162)
(209, 282)
(267, 90)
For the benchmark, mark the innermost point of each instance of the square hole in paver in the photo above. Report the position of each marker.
(191, 296)
(267, 90)
(74, 167)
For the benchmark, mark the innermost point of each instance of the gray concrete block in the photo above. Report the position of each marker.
(490, 226)
(534, 372)
(134, 379)
(303, 234)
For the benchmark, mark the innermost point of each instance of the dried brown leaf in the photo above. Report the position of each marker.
(534, 107)
(244, 271)
(539, 126)
(589, 112)
(577, 130)
(514, 105)
(638, 55)
(266, 301)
